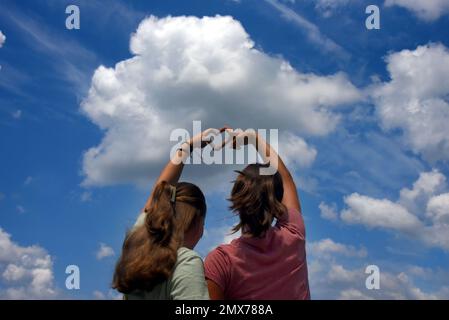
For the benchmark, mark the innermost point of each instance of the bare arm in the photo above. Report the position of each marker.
(215, 292)
(290, 198)
(173, 169)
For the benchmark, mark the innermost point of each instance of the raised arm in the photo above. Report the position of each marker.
(291, 198)
(268, 154)
(173, 169)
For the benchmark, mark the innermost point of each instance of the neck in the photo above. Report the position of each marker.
(189, 242)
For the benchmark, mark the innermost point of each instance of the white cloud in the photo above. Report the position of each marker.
(332, 278)
(353, 294)
(430, 226)
(186, 68)
(415, 100)
(427, 185)
(104, 251)
(295, 152)
(2, 39)
(378, 213)
(14, 272)
(328, 212)
(25, 272)
(428, 10)
(438, 208)
(326, 248)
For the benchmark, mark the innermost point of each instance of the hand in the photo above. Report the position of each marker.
(241, 138)
(206, 137)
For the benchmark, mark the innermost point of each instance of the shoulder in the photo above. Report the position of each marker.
(188, 256)
(219, 258)
(218, 266)
(293, 221)
(188, 280)
(221, 252)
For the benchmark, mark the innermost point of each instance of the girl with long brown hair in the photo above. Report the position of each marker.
(267, 261)
(157, 259)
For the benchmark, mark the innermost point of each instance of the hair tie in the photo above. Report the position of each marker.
(173, 194)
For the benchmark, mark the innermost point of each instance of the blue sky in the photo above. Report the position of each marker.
(374, 158)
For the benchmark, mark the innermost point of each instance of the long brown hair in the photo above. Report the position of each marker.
(257, 199)
(149, 251)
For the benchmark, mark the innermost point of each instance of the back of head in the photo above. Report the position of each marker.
(257, 199)
(149, 251)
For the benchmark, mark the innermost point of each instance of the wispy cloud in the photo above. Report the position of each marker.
(312, 31)
(70, 60)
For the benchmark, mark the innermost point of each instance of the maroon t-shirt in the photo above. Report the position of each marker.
(272, 267)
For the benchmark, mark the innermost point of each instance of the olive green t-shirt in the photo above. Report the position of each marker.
(186, 283)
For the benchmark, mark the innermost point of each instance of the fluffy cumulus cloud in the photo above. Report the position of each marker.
(420, 213)
(428, 10)
(416, 198)
(25, 272)
(2, 39)
(208, 69)
(346, 283)
(295, 152)
(337, 271)
(328, 212)
(438, 208)
(415, 100)
(381, 213)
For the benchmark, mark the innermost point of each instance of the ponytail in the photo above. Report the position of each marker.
(159, 220)
(149, 251)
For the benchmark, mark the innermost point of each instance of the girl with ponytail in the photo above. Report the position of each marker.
(157, 259)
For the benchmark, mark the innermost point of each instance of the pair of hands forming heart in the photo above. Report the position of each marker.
(236, 138)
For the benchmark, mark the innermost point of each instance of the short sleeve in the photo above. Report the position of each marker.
(217, 268)
(293, 221)
(188, 280)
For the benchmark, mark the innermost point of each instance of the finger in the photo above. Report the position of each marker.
(225, 128)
